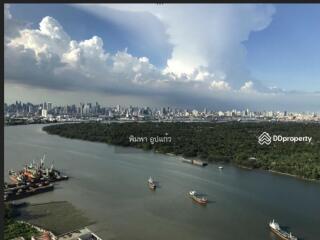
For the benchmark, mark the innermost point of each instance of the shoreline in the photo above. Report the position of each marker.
(209, 162)
(294, 176)
(277, 172)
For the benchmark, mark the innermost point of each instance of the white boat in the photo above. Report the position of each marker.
(220, 167)
(275, 227)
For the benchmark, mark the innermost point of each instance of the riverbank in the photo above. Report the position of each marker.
(224, 142)
(279, 173)
(55, 220)
(295, 176)
(57, 217)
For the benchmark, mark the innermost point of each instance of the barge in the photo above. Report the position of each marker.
(26, 191)
(195, 162)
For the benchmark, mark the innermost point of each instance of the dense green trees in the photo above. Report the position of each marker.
(221, 142)
(13, 228)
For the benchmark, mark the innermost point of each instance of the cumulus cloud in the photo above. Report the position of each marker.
(50, 38)
(50, 58)
(220, 85)
(208, 36)
(247, 87)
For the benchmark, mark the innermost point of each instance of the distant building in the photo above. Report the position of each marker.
(49, 106)
(86, 109)
(44, 113)
(195, 113)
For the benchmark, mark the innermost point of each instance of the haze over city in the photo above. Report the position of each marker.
(262, 57)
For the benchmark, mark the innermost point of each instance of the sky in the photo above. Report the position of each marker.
(219, 56)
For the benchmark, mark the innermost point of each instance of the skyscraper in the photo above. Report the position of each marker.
(49, 106)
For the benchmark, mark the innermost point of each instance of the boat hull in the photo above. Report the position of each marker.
(198, 200)
(152, 186)
(279, 234)
(29, 192)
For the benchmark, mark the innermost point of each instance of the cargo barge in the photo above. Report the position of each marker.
(195, 162)
(32, 179)
(23, 191)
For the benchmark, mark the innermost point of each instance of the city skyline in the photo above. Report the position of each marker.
(101, 108)
(222, 57)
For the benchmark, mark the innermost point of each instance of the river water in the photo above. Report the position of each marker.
(109, 184)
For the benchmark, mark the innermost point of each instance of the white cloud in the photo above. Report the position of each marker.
(220, 85)
(205, 51)
(49, 38)
(248, 87)
(207, 36)
(54, 60)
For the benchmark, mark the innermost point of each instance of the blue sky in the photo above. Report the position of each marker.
(192, 54)
(287, 53)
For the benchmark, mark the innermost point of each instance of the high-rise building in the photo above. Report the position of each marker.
(86, 109)
(44, 113)
(49, 106)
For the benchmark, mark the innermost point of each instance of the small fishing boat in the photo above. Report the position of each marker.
(152, 184)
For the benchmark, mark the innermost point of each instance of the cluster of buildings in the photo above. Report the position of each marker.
(19, 113)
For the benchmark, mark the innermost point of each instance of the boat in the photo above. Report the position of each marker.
(220, 167)
(275, 228)
(17, 178)
(35, 173)
(151, 184)
(199, 199)
(20, 193)
(195, 162)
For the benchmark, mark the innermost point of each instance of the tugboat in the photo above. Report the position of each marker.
(275, 228)
(151, 184)
(197, 198)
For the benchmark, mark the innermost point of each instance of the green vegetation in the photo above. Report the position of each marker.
(215, 142)
(13, 228)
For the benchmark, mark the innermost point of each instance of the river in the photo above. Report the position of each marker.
(109, 184)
